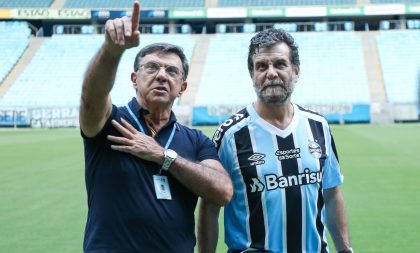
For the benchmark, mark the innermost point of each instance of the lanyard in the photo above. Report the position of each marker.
(168, 142)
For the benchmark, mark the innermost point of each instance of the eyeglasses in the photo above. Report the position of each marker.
(153, 67)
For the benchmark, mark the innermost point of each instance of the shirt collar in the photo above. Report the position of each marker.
(139, 111)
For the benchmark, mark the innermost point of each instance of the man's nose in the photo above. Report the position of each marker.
(161, 74)
(271, 72)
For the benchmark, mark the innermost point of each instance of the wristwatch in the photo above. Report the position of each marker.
(170, 156)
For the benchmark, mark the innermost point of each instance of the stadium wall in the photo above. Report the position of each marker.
(49, 117)
(336, 114)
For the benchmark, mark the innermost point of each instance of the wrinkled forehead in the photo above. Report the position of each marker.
(280, 51)
(163, 58)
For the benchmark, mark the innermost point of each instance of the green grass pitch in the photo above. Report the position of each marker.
(43, 199)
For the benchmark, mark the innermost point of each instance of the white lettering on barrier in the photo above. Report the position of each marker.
(54, 117)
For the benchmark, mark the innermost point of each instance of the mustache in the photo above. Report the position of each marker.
(273, 83)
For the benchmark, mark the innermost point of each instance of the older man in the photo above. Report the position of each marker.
(144, 170)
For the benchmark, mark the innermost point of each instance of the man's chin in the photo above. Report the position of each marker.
(274, 100)
(159, 100)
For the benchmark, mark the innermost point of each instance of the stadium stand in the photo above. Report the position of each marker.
(331, 63)
(231, 3)
(25, 3)
(145, 4)
(399, 53)
(394, 1)
(332, 69)
(54, 77)
(225, 78)
(13, 42)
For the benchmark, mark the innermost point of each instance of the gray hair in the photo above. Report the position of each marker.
(268, 38)
(163, 48)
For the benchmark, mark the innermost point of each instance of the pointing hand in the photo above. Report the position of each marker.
(122, 33)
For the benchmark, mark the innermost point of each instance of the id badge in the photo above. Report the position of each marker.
(162, 187)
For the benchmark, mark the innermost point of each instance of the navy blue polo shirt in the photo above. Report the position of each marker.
(124, 214)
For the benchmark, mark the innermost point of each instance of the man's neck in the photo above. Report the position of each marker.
(156, 116)
(279, 115)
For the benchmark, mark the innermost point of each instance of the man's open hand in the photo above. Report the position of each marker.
(136, 143)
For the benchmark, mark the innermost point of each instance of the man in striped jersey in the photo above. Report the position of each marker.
(283, 164)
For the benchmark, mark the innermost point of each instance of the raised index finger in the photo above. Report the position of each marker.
(135, 16)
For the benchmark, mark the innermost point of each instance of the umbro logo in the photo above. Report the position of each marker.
(256, 159)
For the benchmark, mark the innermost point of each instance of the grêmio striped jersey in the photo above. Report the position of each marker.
(278, 177)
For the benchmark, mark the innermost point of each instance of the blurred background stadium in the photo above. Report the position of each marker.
(359, 58)
(360, 63)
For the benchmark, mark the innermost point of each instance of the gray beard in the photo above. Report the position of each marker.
(276, 100)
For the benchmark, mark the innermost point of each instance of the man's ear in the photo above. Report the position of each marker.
(296, 70)
(134, 80)
(296, 74)
(184, 86)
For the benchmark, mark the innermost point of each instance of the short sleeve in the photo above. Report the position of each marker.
(205, 148)
(226, 155)
(106, 129)
(332, 172)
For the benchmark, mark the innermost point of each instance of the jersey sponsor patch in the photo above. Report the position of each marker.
(256, 185)
(288, 154)
(273, 181)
